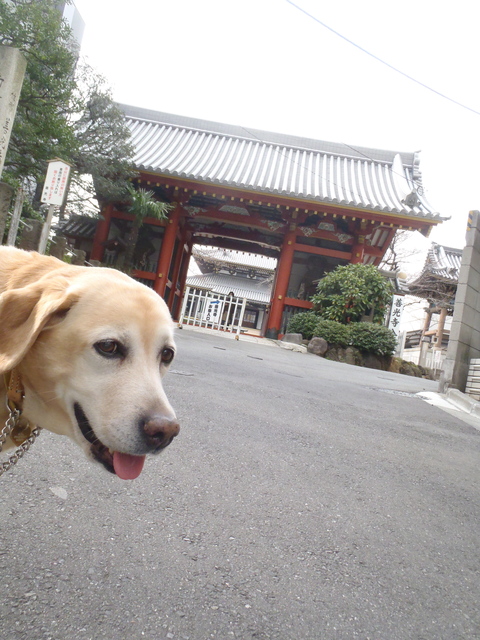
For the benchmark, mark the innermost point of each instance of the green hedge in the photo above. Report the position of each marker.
(365, 336)
(372, 338)
(305, 323)
(333, 332)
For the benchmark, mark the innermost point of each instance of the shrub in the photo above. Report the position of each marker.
(333, 332)
(372, 338)
(349, 292)
(304, 323)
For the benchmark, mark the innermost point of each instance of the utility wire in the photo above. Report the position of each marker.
(387, 64)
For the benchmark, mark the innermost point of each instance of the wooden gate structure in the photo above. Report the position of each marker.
(313, 205)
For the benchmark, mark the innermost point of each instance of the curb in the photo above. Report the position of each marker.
(291, 346)
(463, 402)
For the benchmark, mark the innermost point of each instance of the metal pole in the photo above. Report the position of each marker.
(42, 245)
(242, 313)
(184, 306)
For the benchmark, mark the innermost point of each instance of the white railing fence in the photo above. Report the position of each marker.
(212, 310)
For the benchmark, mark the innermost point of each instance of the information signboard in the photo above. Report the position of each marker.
(56, 182)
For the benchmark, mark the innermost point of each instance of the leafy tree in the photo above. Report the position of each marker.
(65, 109)
(352, 291)
(103, 148)
(142, 204)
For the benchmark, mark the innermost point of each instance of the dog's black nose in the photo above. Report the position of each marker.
(160, 431)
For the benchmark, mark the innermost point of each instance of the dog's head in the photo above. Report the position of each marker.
(92, 346)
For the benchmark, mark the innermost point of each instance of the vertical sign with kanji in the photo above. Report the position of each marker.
(396, 314)
(53, 194)
(56, 182)
(213, 311)
(12, 70)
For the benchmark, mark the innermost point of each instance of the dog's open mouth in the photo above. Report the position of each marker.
(124, 465)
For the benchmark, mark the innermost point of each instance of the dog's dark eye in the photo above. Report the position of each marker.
(167, 355)
(109, 348)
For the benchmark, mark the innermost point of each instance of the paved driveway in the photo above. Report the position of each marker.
(303, 499)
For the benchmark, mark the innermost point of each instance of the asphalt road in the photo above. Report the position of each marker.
(303, 499)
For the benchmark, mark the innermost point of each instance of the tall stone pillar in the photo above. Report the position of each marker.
(464, 340)
(12, 70)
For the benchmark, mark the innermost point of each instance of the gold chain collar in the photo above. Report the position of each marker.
(22, 429)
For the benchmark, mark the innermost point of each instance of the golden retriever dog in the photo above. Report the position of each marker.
(90, 347)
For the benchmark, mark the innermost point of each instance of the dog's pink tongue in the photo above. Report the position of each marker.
(127, 467)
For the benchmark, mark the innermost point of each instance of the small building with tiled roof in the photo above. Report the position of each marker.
(438, 280)
(437, 284)
(309, 204)
(239, 274)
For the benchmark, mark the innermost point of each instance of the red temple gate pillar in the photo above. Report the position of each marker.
(282, 279)
(176, 269)
(166, 251)
(182, 278)
(358, 250)
(101, 234)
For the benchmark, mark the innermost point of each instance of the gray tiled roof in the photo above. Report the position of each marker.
(254, 290)
(277, 164)
(229, 256)
(78, 226)
(443, 262)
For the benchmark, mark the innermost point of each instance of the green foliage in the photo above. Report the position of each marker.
(103, 150)
(350, 292)
(372, 338)
(65, 110)
(333, 332)
(304, 323)
(141, 204)
(41, 130)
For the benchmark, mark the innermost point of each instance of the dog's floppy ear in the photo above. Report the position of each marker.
(24, 312)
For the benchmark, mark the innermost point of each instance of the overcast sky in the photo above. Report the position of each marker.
(265, 64)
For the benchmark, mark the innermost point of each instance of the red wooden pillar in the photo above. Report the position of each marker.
(176, 269)
(101, 234)
(358, 250)
(166, 251)
(282, 279)
(182, 278)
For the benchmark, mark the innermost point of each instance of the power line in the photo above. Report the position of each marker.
(387, 64)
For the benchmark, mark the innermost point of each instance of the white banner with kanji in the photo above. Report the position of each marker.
(213, 311)
(396, 314)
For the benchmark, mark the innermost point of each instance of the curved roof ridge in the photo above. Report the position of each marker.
(268, 137)
(278, 164)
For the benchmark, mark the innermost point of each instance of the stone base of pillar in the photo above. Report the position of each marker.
(79, 257)
(31, 234)
(58, 247)
(271, 333)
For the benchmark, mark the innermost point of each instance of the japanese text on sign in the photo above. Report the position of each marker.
(56, 182)
(396, 314)
(213, 311)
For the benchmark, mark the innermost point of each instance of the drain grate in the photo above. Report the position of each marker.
(395, 392)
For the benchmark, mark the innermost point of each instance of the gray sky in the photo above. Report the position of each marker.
(265, 64)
